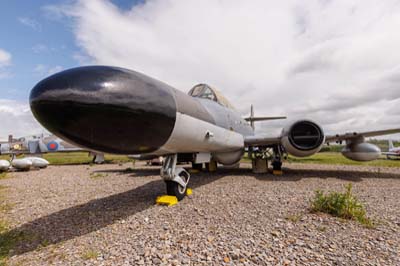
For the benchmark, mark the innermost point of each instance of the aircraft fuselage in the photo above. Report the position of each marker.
(114, 110)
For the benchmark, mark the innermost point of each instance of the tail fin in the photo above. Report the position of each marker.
(391, 146)
(253, 118)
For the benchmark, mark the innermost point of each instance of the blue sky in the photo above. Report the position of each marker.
(38, 43)
(275, 55)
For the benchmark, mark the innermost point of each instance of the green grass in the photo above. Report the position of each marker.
(8, 241)
(4, 207)
(343, 205)
(97, 175)
(3, 175)
(5, 243)
(90, 254)
(81, 158)
(338, 158)
(294, 218)
(66, 158)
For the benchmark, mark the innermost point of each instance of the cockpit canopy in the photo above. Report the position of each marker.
(206, 92)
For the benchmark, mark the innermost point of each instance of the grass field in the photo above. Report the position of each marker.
(338, 158)
(319, 158)
(64, 158)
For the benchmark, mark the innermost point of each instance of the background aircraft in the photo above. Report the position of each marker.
(115, 110)
(39, 144)
(393, 151)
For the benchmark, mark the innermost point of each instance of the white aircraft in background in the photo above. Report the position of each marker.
(34, 147)
(41, 144)
(393, 151)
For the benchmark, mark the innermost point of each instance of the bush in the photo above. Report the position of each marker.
(344, 205)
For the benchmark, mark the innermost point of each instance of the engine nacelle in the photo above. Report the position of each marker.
(361, 151)
(303, 138)
(228, 158)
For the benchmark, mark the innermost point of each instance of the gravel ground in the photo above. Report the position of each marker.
(105, 215)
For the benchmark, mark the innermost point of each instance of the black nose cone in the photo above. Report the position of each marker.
(106, 109)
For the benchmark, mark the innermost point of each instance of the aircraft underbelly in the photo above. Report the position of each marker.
(194, 135)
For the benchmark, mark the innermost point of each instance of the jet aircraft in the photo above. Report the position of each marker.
(115, 110)
(393, 151)
(39, 144)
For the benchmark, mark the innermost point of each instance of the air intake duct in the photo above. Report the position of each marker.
(303, 138)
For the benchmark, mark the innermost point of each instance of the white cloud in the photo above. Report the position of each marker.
(5, 60)
(31, 23)
(16, 119)
(334, 61)
(40, 48)
(45, 70)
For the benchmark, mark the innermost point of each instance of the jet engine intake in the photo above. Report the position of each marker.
(302, 138)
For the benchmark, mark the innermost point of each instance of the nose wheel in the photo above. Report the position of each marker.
(176, 178)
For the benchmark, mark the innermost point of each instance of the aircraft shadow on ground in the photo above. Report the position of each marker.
(137, 172)
(96, 214)
(93, 215)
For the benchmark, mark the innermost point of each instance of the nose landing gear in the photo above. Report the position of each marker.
(176, 178)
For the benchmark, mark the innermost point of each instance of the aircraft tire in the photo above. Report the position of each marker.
(174, 189)
(197, 166)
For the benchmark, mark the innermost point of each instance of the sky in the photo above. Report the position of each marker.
(336, 62)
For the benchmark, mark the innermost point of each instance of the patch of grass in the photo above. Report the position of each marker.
(293, 217)
(90, 254)
(322, 228)
(3, 226)
(129, 170)
(9, 239)
(3, 175)
(97, 175)
(343, 205)
(6, 207)
(338, 159)
(44, 243)
(64, 158)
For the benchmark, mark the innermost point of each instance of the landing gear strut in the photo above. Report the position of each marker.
(176, 178)
(277, 160)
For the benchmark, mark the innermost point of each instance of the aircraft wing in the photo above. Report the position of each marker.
(271, 140)
(263, 118)
(261, 140)
(354, 135)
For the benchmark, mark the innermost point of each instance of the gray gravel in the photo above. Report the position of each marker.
(103, 215)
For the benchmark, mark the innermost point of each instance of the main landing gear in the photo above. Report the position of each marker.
(261, 155)
(277, 161)
(176, 178)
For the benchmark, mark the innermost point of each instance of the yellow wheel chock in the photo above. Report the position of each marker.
(171, 200)
(167, 200)
(277, 172)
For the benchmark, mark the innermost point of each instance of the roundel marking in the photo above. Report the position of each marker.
(52, 146)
